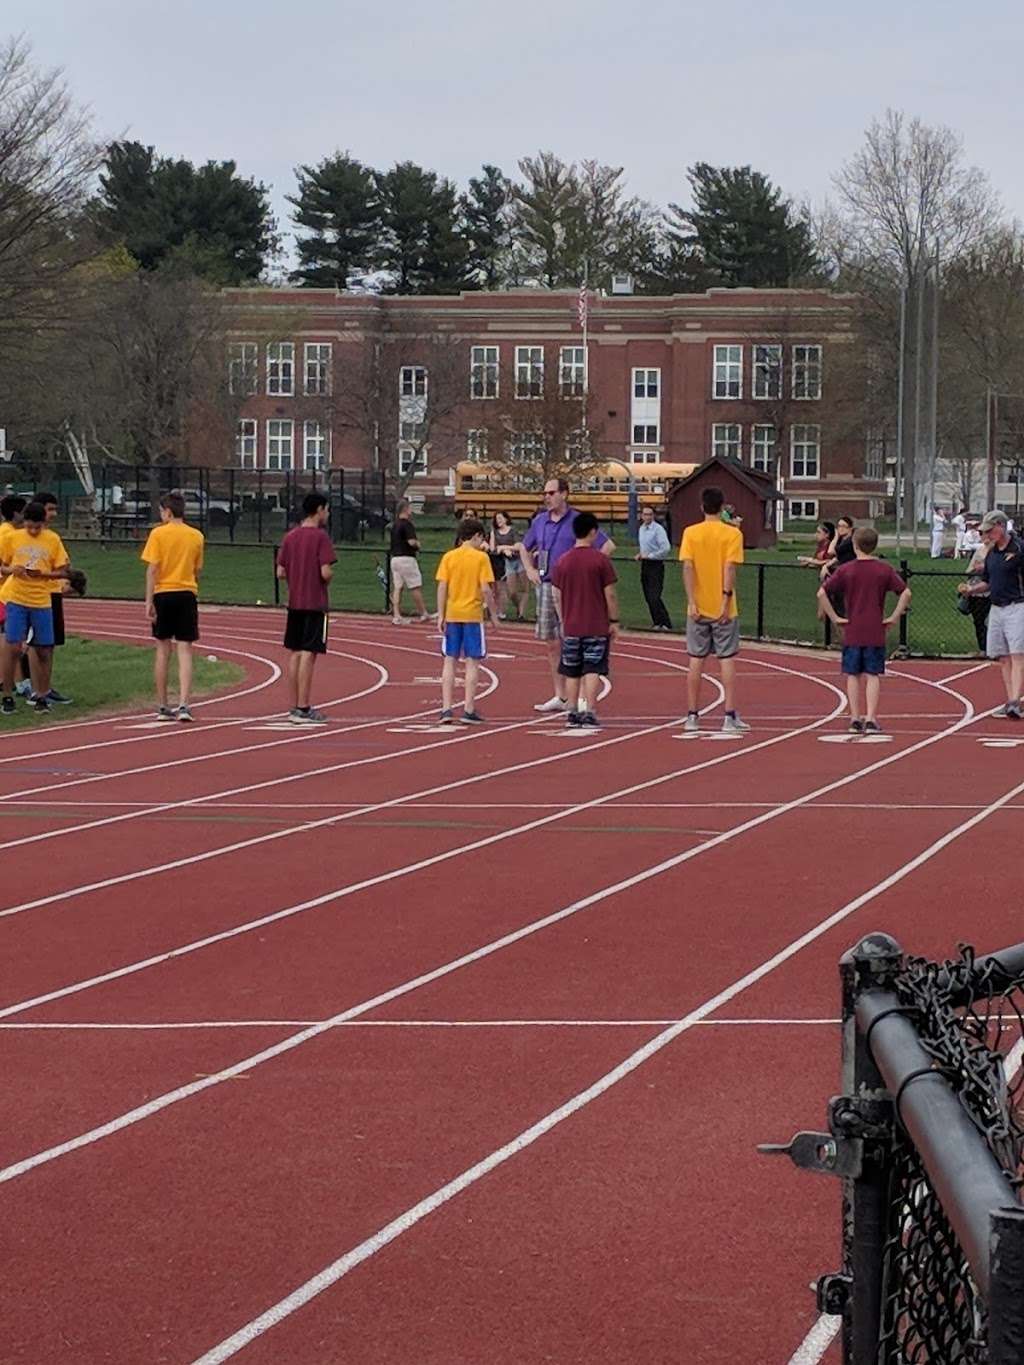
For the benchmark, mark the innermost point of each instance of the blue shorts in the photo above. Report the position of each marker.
(859, 659)
(21, 619)
(464, 640)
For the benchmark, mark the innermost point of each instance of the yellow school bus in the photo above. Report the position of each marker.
(488, 488)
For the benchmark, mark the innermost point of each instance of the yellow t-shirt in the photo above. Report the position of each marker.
(465, 570)
(44, 552)
(7, 529)
(177, 551)
(709, 546)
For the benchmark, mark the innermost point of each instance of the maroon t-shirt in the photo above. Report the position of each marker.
(303, 550)
(865, 584)
(581, 576)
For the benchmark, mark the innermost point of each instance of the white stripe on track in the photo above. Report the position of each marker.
(332, 1273)
(72, 1025)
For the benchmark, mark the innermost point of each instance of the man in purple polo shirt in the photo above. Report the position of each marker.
(305, 560)
(550, 536)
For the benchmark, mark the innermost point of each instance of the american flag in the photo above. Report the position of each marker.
(581, 306)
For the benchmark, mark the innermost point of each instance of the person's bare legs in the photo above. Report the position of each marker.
(591, 683)
(572, 694)
(161, 666)
(396, 599)
(853, 695)
(693, 684)
(1012, 668)
(293, 679)
(728, 667)
(417, 597)
(184, 671)
(40, 662)
(447, 682)
(472, 679)
(304, 678)
(554, 659)
(10, 655)
(872, 692)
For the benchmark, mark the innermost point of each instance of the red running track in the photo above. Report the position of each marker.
(387, 1044)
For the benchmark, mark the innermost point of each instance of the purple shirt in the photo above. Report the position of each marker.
(552, 539)
(302, 552)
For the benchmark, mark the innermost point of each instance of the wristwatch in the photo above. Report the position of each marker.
(727, 592)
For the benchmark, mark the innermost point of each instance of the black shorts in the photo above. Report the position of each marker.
(57, 604)
(306, 631)
(177, 616)
(582, 654)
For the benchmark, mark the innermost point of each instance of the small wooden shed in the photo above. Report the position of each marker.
(751, 493)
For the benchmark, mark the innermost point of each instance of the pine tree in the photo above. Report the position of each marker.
(421, 248)
(338, 206)
(485, 211)
(745, 231)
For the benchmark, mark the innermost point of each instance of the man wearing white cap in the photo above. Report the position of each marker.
(1003, 575)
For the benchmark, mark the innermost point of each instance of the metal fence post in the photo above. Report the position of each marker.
(387, 584)
(868, 966)
(259, 505)
(904, 627)
(231, 505)
(760, 601)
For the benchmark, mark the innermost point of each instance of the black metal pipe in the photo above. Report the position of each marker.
(995, 972)
(965, 1175)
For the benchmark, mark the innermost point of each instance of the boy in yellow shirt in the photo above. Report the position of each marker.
(710, 552)
(464, 588)
(32, 558)
(173, 556)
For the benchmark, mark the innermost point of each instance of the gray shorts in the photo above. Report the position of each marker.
(547, 617)
(1005, 631)
(712, 637)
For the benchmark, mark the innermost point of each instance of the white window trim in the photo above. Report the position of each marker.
(247, 349)
(793, 443)
(253, 433)
(280, 422)
(326, 365)
(802, 516)
(642, 441)
(285, 359)
(796, 368)
(485, 367)
(758, 371)
(715, 362)
(773, 445)
(412, 463)
(738, 443)
(530, 365)
(577, 386)
(646, 371)
(403, 370)
(325, 435)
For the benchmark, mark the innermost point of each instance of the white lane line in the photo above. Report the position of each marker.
(653, 806)
(173, 1097)
(332, 1273)
(966, 672)
(184, 1025)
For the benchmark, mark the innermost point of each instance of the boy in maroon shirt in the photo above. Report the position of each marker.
(864, 584)
(588, 611)
(305, 561)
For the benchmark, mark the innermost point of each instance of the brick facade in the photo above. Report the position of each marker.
(728, 364)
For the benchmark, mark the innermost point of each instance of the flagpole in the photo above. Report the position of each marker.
(585, 306)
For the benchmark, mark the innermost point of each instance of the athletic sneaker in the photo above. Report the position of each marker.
(305, 715)
(471, 718)
(427, 616)
(573, 720)
(40, 704)
(1013, 711)
(399, 621)
(447, 718)
(732, 724)
(184, 714)
(24, 688)
(56, 698)
(588, 718)
(872, 727)
(7, 706)
(551, 706)
(165, 713)
(692, 722)
(857, 726)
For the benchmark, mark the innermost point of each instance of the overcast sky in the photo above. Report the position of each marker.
(787, 86)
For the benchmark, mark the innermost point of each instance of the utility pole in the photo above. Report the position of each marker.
(899, 414)
(921, 270)
(933, 378)
(991, 413)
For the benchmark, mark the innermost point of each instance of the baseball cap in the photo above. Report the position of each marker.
(991, 519)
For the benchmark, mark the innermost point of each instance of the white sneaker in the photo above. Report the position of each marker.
(399, 621)
(692, 723)
(733, 724)
(555, 704)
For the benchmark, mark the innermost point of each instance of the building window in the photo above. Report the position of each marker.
(476, 445)
(804, 452)
(414, 433)
(411, 462)
(646, 383)
(728, 372)
(412, 381)
(725, 440)
(803, 509)
(806, 371)
(246, 439)
(281, 369)
(762, 447)
(483, 372)
(529, 371)
(279, 444)
(527, 447)
(644, 457)
(645, 433)
(243, 361)
(318, 367)
(767, 382)
(874, 457)
(572, 371)
(316, 442)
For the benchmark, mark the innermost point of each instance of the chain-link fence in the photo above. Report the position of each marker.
(230, 506)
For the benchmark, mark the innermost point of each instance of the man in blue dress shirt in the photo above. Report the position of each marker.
(654, 550)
